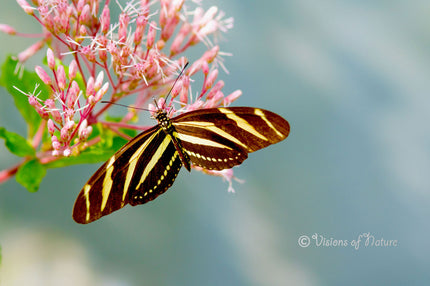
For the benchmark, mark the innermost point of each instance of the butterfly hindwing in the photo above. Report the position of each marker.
(161, 166)
(208, 149)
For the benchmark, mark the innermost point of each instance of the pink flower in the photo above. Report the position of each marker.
(137, 54)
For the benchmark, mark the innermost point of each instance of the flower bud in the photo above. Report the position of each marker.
(73, 68)
(99, 81)
(218, 86)
(61, 77)
(91, 99)
(124, 19)
(72, 94)
(50, 58)
(83, 31)
(25, 6)
(210, 55)
(7, 29)
(84, 130)
(175, 47)
(43, 75)
(105, 19)
(101, 92)
(80, 6)
(67, 152)
(51, 127)
(141, 22)
(90, 86)
(152, 33)
(205, 68)
(55, 144)
(232, 97)
(85, 17)
(195, 67)
(210, 79)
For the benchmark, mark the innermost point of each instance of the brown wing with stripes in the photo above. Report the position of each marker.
(161, 164)
(220, 138)
(122, 179)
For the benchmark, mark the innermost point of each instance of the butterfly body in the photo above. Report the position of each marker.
(144, 168)
(166, 124)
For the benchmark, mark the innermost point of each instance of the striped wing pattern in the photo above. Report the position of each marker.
(131, 176)
(144, 168)
(220, 138)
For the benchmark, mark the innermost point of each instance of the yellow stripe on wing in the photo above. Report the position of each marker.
(261, 114)
(107, 183)
(201, 141)
(154, 159)
(211, 127)
(87, 201)
(132, 165)
(242, 123)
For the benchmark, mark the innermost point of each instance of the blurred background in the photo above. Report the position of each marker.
(351, 77)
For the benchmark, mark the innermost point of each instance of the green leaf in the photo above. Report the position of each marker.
(25, 81)
(16, 143)
(30, 175)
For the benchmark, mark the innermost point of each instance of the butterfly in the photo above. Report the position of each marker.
(145, 167)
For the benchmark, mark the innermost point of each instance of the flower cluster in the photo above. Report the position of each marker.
(92, 55)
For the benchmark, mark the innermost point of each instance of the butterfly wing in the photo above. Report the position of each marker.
(161, 166)
(140, 171)
(220, 138)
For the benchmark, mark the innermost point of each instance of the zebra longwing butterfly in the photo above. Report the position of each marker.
(144, 168)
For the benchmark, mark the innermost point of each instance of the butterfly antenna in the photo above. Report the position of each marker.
(176, 80)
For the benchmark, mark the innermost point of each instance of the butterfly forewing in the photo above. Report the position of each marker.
(221, 138)
(159, 169)
(108, 189)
